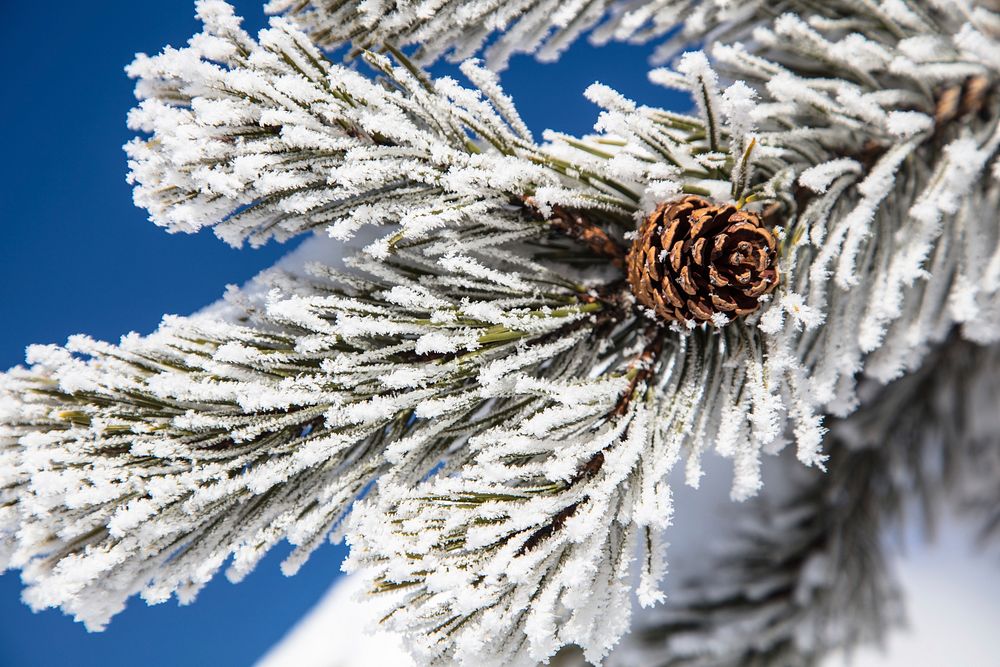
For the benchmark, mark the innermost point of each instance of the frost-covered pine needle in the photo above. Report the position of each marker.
(479, 383)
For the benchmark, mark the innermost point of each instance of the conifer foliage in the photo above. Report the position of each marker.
(486, 402)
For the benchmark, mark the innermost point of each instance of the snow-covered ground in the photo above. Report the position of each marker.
(334, 634)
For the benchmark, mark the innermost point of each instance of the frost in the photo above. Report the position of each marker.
(477, 382)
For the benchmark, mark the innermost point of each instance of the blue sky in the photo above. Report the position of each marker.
(78, 257)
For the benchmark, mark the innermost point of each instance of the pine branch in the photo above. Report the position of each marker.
(143, 466)
(798, 581)
(809, 576)
(268, 139)
(545, 28)
(519, 415)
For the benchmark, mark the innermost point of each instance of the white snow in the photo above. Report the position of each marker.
(336, 634)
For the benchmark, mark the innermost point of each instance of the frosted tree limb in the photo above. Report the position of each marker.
(459, 29)
(267, 139)
(482, 380)
(809, 577)
(145, 465)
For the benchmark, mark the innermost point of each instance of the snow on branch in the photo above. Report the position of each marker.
(459, 29)
(816, 549)
(267, 139)
(879, 148)
(140, 468)
(530, 547)
(484, 361)
(884, 140)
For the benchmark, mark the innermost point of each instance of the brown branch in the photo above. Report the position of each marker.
(546, 531)
(961, 100)
(643, 364)
(577, 227)
(953, 106)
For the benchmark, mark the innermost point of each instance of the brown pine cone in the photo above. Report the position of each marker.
(692, 259)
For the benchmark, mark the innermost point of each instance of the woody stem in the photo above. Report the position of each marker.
(577, 227)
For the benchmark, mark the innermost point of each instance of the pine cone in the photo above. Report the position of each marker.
(693, 259)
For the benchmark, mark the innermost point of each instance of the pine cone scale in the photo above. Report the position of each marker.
(692, 260)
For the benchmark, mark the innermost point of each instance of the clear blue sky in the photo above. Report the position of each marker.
(76, 256)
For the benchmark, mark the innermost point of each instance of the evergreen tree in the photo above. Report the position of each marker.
(487, 401)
